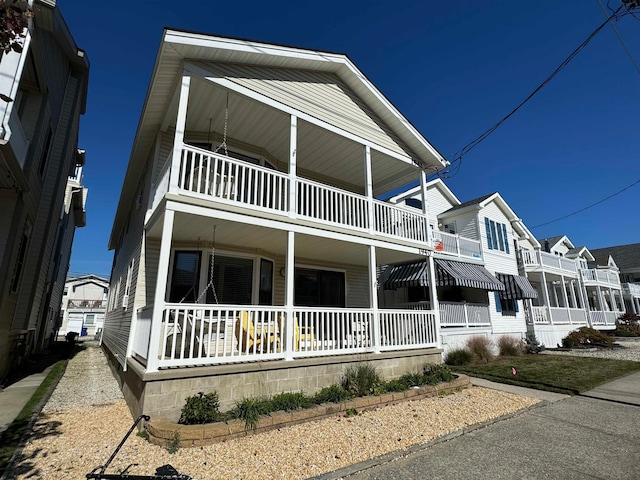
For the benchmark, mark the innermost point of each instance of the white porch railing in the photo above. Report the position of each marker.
(464, 315)
(456, 245)
(321, 202)
(560, 263)
(632, 289)
(600, 318)
(539, 315)
(193, 334)
(399, 222)
(600, 276)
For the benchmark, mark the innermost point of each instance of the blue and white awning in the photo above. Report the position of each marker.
(517, 287)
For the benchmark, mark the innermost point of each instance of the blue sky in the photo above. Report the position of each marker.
(452, 70)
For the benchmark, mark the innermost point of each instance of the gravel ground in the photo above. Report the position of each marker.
(630, 351)
(85, 420)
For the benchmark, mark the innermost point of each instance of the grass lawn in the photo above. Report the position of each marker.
(555, 373)
(10, 438)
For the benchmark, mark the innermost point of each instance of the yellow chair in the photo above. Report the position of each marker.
(249, 341)
(303, 334)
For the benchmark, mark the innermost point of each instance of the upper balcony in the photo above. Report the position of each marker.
(538, 260)
(600, 277)
(631, 289)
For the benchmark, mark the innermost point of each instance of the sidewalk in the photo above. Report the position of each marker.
(15, 397)
(623, 390)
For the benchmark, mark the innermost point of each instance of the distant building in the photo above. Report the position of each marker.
(83, 305)
(40, 204)
(627, 259)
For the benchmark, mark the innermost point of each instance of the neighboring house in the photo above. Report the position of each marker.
(573, 290)
(83, 305)
(40, 204)
(480, 291)
(248, 237)
(627, 259)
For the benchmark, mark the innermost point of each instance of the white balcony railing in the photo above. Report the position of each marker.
(600, 276)
(464, 315)
(193, 334)
(539, 315)
(632, 289)
(228, 180)
(549, 260)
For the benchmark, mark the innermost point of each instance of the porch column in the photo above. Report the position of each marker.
(433, 294)
(288, 295)
(178, 139)
(159, 295)
(584, 299)
(573, 293)
(613, 300)
(293, 184)
(600, 298)
(373, 293)
(368, 180)
(545, 296)
(425, 206)
(565, 297)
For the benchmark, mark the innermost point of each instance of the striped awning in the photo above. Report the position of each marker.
(463, 274)
(517, 287)
(408, 275)
(459, 274)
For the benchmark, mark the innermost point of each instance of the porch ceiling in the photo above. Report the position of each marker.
(194, 231)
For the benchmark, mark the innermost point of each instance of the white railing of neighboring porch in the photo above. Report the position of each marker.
(453, 314)
(632, 289)
(228, 180)
(559, 315)
(600, 318)
(595, 275)
(456, 245)
(193, 334)
(554, 261)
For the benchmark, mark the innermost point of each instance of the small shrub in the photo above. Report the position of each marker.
(412, 380)
(331, 394)
(250, 410)
(586, 336)
(434, 374)
(458, 357)
(627, 331)
(531, 344)
(200, 409)
(510, 346)
(568, 342)
(361, 380)
(289, 401)
(395, 385)
(480, 348)
(143, 434)
(173, 445)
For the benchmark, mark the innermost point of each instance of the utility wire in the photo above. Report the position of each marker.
(624, 45)
(589, 206)
(454, 166)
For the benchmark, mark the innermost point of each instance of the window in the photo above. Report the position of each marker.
(324, 288)
(232, 280)
(184, 278)
(265, 295)
(508, 306)
(22, 252)
(127, 286)
(89, 319)
(497, 238)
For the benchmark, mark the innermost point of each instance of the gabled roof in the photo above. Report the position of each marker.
(626, 257)
(433, 184)
(580, 252)
(477, 202)
(224, 61)
(86, 279)
(553, 241)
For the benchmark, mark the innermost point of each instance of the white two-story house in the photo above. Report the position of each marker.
(248, 236)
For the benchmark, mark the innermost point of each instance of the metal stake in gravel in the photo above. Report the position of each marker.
(165, 472)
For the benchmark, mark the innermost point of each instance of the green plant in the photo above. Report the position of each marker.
(434, 374)
(250, 410)
(361, 380)
(568, 342)
(395, 385)
(510, 346)
(586, 336)
(458, 356)
(173, 444)
(289, 401)
(331, 394)
(412, 379)
(143, 434)
(480, 348)
(531, 344)
(350, 412)
(200, 409)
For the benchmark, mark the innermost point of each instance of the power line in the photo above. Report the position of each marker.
(454, 166)
(589, 206)
(624, 45)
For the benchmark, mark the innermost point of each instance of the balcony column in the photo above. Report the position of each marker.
(584, 298)
(545, 294)
(565, 297)
(178, 138)
(433, 294)
(160, 292)
(613, 300)
(373, 294)
(288, 295)
(293, 184)
(425, 206)
(369, 189)
(574, 300)
(600, 298)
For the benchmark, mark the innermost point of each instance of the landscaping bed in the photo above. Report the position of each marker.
(163, 433)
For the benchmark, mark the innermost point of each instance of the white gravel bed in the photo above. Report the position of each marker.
(630, 351)
(87, 417)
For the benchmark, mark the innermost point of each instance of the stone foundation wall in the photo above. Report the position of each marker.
(162, 394)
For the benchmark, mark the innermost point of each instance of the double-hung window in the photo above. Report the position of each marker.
(497, 238)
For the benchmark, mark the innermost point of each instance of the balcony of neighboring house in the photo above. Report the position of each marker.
(535, 261)
(86, 305)
(560, 300)
(631, 296)
(456, 245)
(606, 305)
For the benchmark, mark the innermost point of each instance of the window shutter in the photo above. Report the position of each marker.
(488, 227)
(498, 304)
(515, 302)
(506, 242)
